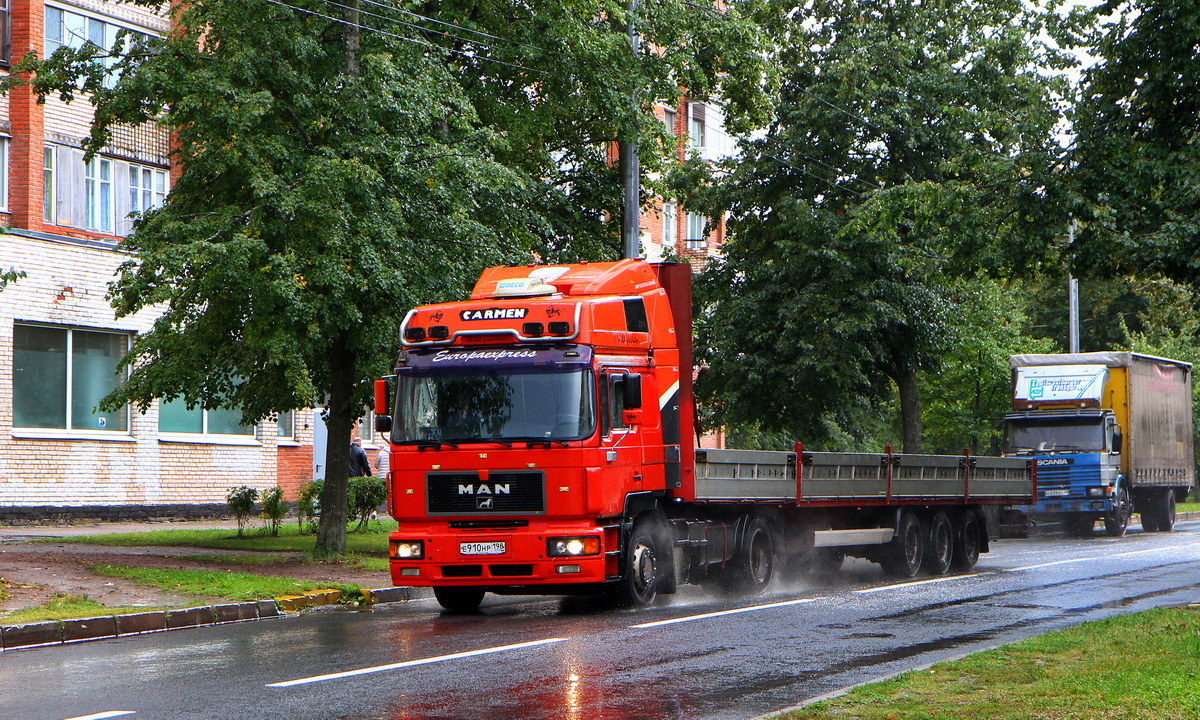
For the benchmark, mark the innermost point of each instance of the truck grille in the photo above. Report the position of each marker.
(503, 493)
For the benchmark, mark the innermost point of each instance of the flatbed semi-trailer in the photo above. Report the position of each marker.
(543, 443)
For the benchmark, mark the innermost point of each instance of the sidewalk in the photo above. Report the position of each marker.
(36, 569)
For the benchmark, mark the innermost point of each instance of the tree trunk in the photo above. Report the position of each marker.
(910, 410)
(331, 532)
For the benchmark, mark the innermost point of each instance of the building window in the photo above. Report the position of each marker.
(5, 35)
(285, 425)
(65, 28)
(49, 193)
(669, 119)
(175, 416)
(60, 375)
(98, 191)
(147, 188)
(670, 225)
(696, 125)
(4, 173)
(695, 231)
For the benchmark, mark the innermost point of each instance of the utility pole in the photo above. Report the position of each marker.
(1072, 301)
(631, 171)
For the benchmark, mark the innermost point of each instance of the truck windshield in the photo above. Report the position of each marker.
(1048, 435)
(500, 404)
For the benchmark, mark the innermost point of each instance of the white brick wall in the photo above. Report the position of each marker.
(66, 285)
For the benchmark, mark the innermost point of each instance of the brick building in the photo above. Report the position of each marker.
(59, 339)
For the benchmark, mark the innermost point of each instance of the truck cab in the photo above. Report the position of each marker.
(1078, 456)
(529, 423)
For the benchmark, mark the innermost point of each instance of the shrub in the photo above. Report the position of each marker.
(308, 506)
(364, 496)
(274, 507)
(241, 503)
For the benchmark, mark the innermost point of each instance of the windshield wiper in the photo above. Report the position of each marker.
(435, 444)
(535, 441)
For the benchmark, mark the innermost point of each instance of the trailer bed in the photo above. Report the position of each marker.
(825, 478)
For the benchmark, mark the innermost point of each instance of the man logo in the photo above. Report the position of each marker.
(483, 503)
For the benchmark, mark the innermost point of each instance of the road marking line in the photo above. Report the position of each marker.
(916, 582)
(705, 616)
(103, 715)
(1102, 557)
(414, 663)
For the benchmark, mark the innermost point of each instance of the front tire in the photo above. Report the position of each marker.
(641, 569)
(1116, 522)
(459, 599)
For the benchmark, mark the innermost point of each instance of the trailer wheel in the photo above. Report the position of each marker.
(1147, 507)
(640, 565)
(967, 542)
(459, 599)
(902, 558)
(939, 545)
(1117, 520)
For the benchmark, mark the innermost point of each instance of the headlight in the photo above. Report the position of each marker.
(1096, 491)
(573, 546)
(408, 549)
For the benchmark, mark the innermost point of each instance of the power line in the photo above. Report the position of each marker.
(452, 25)
(419, 27)
(414, 41)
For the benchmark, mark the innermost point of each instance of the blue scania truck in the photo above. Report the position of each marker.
(1111, 433)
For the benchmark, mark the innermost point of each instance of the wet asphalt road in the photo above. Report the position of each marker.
(696, 657)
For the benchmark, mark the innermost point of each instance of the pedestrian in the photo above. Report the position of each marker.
(359, 465)
(383, 467)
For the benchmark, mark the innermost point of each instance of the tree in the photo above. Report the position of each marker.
(347, 164)
(1138, 146)
(912, 145)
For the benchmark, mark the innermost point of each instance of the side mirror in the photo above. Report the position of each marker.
(631, 417)
(1116, 448)
(383, 420)
(633, 391)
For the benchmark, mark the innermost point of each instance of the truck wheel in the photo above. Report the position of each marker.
(753, 564)
(939, 545)
(902, 558)
(640, 564)
(1166, 510)
(967, 542)
(459, 599)
(1147, 507)
(1117, 520)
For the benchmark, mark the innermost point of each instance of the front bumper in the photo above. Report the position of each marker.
(514, 557)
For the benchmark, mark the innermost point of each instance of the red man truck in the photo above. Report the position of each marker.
(543, 434)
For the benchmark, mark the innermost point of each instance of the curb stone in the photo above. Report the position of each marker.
(58, 632)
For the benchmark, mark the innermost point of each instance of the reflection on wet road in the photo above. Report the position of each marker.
(695, 657)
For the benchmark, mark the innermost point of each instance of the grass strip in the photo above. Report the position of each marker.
(65, 606)
(1144, 666)
(234, 586)
(372, 541)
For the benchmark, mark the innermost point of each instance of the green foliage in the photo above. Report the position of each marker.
(69, 606)
(913, 146)
(366, 495)
(289, 540)
(308, 505)
(241, 504)
(967, 397)
(1138, 151)
(10, 275)
(273, 508)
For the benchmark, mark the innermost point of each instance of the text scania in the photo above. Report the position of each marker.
(494, 314)
(481, 489)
